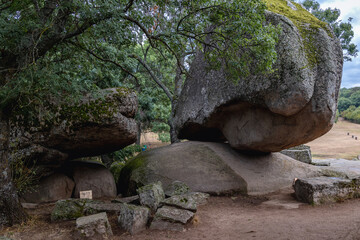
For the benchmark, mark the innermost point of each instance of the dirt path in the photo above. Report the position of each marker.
(336, 143)
(231, 218)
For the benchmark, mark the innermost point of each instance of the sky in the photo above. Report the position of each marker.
(348, 8)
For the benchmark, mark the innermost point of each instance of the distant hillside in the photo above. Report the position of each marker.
(349, 104)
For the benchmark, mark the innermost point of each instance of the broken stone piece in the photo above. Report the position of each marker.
(151, 195)
(95, 226)
(133, 218)
(181, 201)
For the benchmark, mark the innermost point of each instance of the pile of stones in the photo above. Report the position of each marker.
(153, 207)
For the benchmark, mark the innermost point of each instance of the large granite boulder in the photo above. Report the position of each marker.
(52, 188)
(94, 177)
(213, 168)
(94, 126)
(268, 112)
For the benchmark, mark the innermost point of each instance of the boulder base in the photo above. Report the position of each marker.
(213, 168)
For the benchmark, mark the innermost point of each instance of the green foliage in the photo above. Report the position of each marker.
(24, 175)
(349, 104)
(126, 153)
(115, 169)
(343, 30)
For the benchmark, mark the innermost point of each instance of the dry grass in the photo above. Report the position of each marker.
(336, 143)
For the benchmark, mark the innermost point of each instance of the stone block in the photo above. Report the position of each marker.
(320, 190)
(151, 195)
(176, 188)
(94, 227)
(301, 153)
(133, 218)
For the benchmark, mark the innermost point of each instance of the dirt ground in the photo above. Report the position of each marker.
(227, 218)
(336, 143)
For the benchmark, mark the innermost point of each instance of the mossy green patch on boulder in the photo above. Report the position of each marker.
(70, 209)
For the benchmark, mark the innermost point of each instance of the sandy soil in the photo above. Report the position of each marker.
(336, 143)
(276, 216)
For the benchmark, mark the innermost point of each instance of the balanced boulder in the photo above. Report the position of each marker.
(93, 126)
(268, 112)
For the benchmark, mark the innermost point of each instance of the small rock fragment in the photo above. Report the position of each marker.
(151, 195)
(94, 227)
(133, 218)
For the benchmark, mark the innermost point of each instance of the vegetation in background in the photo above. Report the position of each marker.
(349, 104)
(343, 30)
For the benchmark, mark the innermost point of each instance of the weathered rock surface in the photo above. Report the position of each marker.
(131, 199)
(176, 188)
(133, 218)
(322, 190)
(301, 153)
(213, 168)
(151, 195)
(95, 227)
(52, 188)
(94, 177)
(171, 218)
(93, 127)
(70, 209)
(271, 112)
(181, 201)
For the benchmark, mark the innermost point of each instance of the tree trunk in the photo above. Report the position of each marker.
(138, 139)
(11, 211)
(173, 134)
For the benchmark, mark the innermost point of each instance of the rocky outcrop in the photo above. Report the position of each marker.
(94, 126)
(213, 168)
(268, 112)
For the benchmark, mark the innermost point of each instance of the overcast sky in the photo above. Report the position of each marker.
(348, 8)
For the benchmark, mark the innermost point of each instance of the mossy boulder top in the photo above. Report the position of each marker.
(94, 126)
(268, 112)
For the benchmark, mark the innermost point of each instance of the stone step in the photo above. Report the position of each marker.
(320, 190)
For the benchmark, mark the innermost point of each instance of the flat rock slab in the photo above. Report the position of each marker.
(133, 218)
(131, 199)
(321, 190)
(174, 214)
(213, 168)
(70, 209)
(341, 168)
(95, 226)
(163, 225)
(181, 201)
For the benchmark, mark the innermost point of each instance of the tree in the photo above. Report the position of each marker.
(51, 51)
(343, 30)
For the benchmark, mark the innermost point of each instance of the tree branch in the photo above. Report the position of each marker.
(158, 82)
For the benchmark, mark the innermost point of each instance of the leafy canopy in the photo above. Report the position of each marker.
(52, 50)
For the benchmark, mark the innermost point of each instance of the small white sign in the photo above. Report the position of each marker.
(86, 194)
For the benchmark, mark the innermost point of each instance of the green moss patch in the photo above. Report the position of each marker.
(307, 24)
